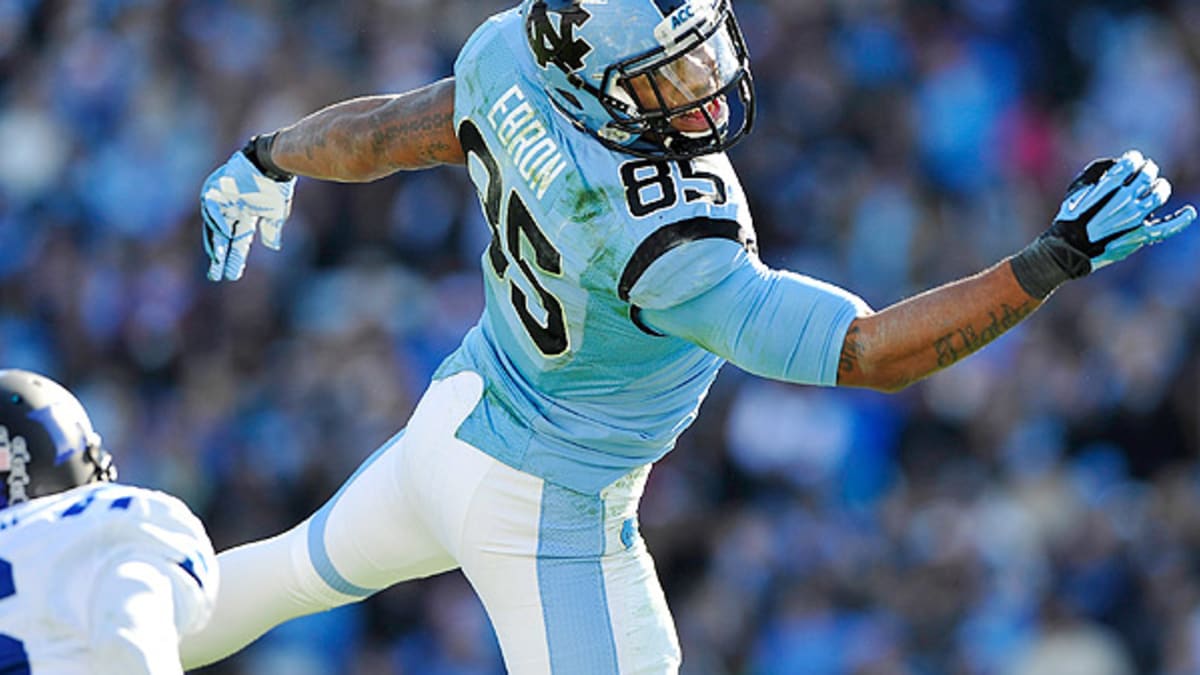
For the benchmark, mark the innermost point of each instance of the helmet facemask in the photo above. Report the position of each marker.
(693, 98)
(14, 460)
(27, 476)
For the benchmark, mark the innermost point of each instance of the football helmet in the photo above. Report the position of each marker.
(665, 79)
(47, 443)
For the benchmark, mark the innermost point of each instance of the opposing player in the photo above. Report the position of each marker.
(95, 577)
(621, 275)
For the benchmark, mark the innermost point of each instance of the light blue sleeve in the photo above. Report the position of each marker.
(772, 323)
(686, 272)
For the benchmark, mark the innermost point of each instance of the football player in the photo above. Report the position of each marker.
(621, 275)
(95, 577)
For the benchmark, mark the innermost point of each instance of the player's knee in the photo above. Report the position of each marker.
(317, 583)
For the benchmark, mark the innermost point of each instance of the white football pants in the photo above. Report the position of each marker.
(565, 577)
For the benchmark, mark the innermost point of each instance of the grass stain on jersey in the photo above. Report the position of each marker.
(588, 204)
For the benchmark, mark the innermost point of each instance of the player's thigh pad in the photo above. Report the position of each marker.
(384, 525)
(566, 578)
(400, 514)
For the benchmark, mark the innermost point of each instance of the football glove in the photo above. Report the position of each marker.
(1105, 217)
(236, 200)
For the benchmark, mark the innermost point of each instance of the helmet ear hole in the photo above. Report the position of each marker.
(620, 92)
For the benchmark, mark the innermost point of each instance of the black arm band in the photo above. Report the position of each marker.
(258, 151)
(1046, 263)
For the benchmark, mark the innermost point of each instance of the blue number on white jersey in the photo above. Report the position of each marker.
(13, 658)
(54, 548)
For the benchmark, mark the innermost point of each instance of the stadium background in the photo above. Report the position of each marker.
(1036, 505)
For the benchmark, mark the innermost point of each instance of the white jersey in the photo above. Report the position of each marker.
(103, 578)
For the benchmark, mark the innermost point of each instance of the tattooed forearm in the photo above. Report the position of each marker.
(852, 351)
(308, 141)
(423, 132)
(910, 340)
(952, 347)
(366, 138)
(435, 150)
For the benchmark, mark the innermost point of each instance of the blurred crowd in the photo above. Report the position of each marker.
(1033, 510)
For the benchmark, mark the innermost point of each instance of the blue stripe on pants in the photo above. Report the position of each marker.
(316, 533)
(571, 582)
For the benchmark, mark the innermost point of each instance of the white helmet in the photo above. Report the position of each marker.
(47, 443)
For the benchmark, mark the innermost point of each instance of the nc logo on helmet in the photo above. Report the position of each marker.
(558, 44)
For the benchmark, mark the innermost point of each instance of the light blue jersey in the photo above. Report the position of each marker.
(580, 385)
(616, 287)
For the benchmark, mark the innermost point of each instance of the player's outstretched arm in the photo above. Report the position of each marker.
(366, 138)
(353, 141)
(907, 341)
(1105, 217)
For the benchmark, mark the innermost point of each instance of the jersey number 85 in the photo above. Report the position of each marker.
(549, 336)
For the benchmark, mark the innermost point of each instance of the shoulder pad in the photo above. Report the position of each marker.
(681, 260)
